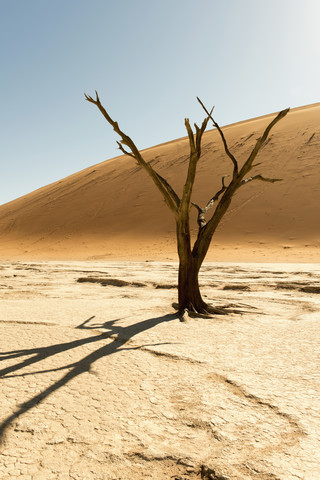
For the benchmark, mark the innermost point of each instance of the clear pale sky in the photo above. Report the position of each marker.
(148, 59)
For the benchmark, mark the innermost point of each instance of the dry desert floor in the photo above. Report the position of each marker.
(100, 380)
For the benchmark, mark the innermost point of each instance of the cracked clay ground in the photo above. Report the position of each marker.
(102, 382)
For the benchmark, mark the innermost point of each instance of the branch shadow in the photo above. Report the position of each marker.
(119, 335)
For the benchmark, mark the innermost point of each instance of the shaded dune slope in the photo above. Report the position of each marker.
(112, 209)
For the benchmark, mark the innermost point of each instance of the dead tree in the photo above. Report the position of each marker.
(191, 257)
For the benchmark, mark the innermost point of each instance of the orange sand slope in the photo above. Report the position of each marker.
(113, 210)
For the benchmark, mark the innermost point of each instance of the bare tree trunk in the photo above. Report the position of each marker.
(189, 296)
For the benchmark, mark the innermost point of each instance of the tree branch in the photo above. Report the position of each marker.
(169, 189)
(190, 134)
(195, 153)
(169, 195)
(259, 143)
(260, 177)
(202, 211)
(200, 132)
(217, 195)
(125, 151)
(232, 157)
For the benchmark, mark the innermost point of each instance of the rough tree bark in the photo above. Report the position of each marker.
(191, 258)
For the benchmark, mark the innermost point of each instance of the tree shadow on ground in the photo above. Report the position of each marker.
(119, 336)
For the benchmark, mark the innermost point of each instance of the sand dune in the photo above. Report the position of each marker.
(113, 210)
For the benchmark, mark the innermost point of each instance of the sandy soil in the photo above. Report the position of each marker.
(101, 381)
(113, 211)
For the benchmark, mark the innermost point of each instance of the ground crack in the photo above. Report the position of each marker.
(22, 322)
(241, 392)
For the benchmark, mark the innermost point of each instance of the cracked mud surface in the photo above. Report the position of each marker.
(102, 381)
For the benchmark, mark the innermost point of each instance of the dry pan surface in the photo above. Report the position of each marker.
(101, 381)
